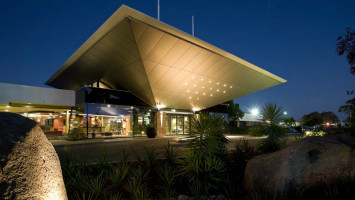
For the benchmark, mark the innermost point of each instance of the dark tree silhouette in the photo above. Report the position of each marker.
(346, 44)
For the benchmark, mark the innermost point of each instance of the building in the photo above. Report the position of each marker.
(135, 70)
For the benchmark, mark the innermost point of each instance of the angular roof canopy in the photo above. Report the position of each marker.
(160, 64)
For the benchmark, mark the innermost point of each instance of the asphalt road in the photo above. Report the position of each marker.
(90, 152)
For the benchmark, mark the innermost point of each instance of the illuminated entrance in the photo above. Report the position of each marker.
(178, 124)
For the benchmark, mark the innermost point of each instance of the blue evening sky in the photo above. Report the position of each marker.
(295, 40)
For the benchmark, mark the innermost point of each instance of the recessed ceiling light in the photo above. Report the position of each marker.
(201, 79)
(210, 88)
(188, 91)
(203, 87)
(217, 90)
(204, 93)
(193, 77)
(196, 92)
(194, 85)
(6, 110)
(189, 97)
(224, 91)
(198, 98)
(7, 106)
(217, 83)
(224, 85)
(231, 86)
(211, 95)
(210, 81)
(185, 83)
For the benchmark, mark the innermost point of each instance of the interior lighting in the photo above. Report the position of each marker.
(203, 87)
(7, 106)
(196, 92)
(6, 110)
(194, 85)
(173, 110)
(190, 97)
(159, 105)
(210, 81)
(224, 91)
(217, 90)
(193, 77)
(210, 88)
(211, 95)
(198, 98)
(204, 93)
(185, 83)
(188, 90)
(230, 86)
(224, 85)
(108, 105)
(217, 83)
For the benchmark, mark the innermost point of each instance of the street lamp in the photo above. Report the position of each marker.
(254, 112)
(285, 113)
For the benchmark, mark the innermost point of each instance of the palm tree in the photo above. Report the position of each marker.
(272, 115)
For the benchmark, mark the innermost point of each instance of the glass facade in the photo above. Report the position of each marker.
(177, 124)
(51, 123)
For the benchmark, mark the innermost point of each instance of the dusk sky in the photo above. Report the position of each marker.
(295, 40)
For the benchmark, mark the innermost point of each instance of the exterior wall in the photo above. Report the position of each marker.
(161, 123)
(39, 95)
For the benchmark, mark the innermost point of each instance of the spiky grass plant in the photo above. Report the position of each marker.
(137, 184)
(83, 196)
(205, 173)
(102, 164)
(272, 115)
(97, 186)
(171, 154)
(168, 178)
(207, 135)
(119, 173)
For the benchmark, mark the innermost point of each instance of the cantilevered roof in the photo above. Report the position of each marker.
(160, 64)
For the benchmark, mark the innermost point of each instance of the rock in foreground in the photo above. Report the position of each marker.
(309, 162)
(30, 167)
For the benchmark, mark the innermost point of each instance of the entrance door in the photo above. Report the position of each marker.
(179, 124)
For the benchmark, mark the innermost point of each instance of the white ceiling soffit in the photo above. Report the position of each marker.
(159, 63)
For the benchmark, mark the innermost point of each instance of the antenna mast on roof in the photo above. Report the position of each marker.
(193, 26)
(158, 10)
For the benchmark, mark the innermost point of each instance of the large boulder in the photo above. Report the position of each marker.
(309, 162)
(30, 167)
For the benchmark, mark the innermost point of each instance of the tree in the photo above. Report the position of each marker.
(272, 115)
(290, 121)
(234, 112)
(346, 44)
(349, 109)
(312, 119)
(329, 117)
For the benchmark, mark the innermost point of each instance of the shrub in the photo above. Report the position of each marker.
(75, 134)
(255, 131)
(151, 132)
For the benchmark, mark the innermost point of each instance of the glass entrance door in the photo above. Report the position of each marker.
(177, 124)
